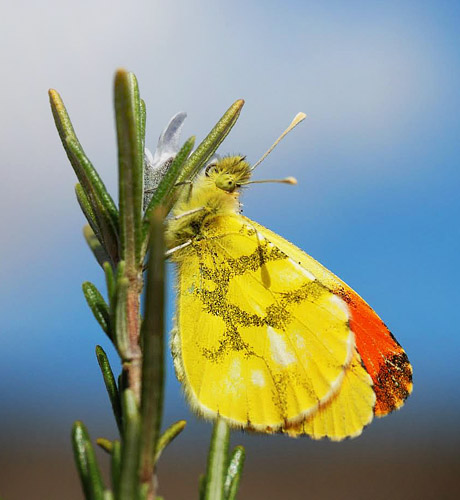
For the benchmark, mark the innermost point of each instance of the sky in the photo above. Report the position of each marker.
(377, 164)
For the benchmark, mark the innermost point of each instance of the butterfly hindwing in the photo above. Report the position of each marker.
(347, 413)
(383, 357)
(258, 340)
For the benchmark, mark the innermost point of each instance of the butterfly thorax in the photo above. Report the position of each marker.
(214, 193)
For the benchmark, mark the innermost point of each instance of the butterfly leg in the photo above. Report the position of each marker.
(179, 247)
(189, 212)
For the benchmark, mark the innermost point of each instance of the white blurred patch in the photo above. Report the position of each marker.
(341, 304)
(301, 269)
(257, 378)
(300, 341)
(234, 382)
(280, 353)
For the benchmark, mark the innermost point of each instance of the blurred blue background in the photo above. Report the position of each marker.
(377, 162)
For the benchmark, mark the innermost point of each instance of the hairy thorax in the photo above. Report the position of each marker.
(197, 205)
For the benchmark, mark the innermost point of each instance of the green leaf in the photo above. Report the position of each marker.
(234, 471)
(87, 466)
(108, 495)
(110, 385)
(201, 486)
(105, 212)
(110, 282)
(131, 166)
(115, 468)
(105, 444)
(130, 447)
(208, 147)
(88, 211)
(120, 312)
(143, 119)
(107, 221)
(98, 306)
(94, 244)
(152, 335)
(169, 435)
(144, 492)
(86, 173)
(217, 461)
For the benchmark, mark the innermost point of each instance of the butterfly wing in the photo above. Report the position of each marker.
(383, 357)
(346, 413)
(257, 340)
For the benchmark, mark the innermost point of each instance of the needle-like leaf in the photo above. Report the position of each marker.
(201, 486)
(110, 282)
(169, 435)
(98, 306)
(104, 210)
(88, 211)
(110, 385)
(131, 166)
(120, 312)
(217, 461)
(212, 141)
(143, 116)
(115, 469)
(95, 246)
(234, 471)
(90, 475)
(105, 444)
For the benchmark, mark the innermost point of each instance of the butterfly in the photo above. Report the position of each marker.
(265, 337)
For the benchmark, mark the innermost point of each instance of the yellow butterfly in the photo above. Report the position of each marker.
(266, 337)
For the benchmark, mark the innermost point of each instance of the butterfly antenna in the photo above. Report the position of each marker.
(297, 119)
(287, 180)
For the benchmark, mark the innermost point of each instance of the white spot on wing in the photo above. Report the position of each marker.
(257, 378)
(341, 305)
(235, 369)
(280, 353)
(304, 271)
(260, 237)
(300, 341)
(234, 382)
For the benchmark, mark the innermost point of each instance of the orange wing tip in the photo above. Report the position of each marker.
(393, 384)
(384, 359)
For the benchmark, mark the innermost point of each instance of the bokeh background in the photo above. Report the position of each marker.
(377, 162)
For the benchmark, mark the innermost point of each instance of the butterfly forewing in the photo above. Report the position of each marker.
(383, 357)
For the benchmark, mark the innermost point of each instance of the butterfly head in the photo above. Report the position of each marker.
(229, 173)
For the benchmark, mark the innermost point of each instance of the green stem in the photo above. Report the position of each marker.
(152, 334)
(129, 118)
(129, 478)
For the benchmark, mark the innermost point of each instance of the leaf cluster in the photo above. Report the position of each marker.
(126, 240)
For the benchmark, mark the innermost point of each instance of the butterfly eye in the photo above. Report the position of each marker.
(209, 168)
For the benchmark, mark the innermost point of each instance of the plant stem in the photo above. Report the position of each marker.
(131, 164)
(153, 348)
(132, 367)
